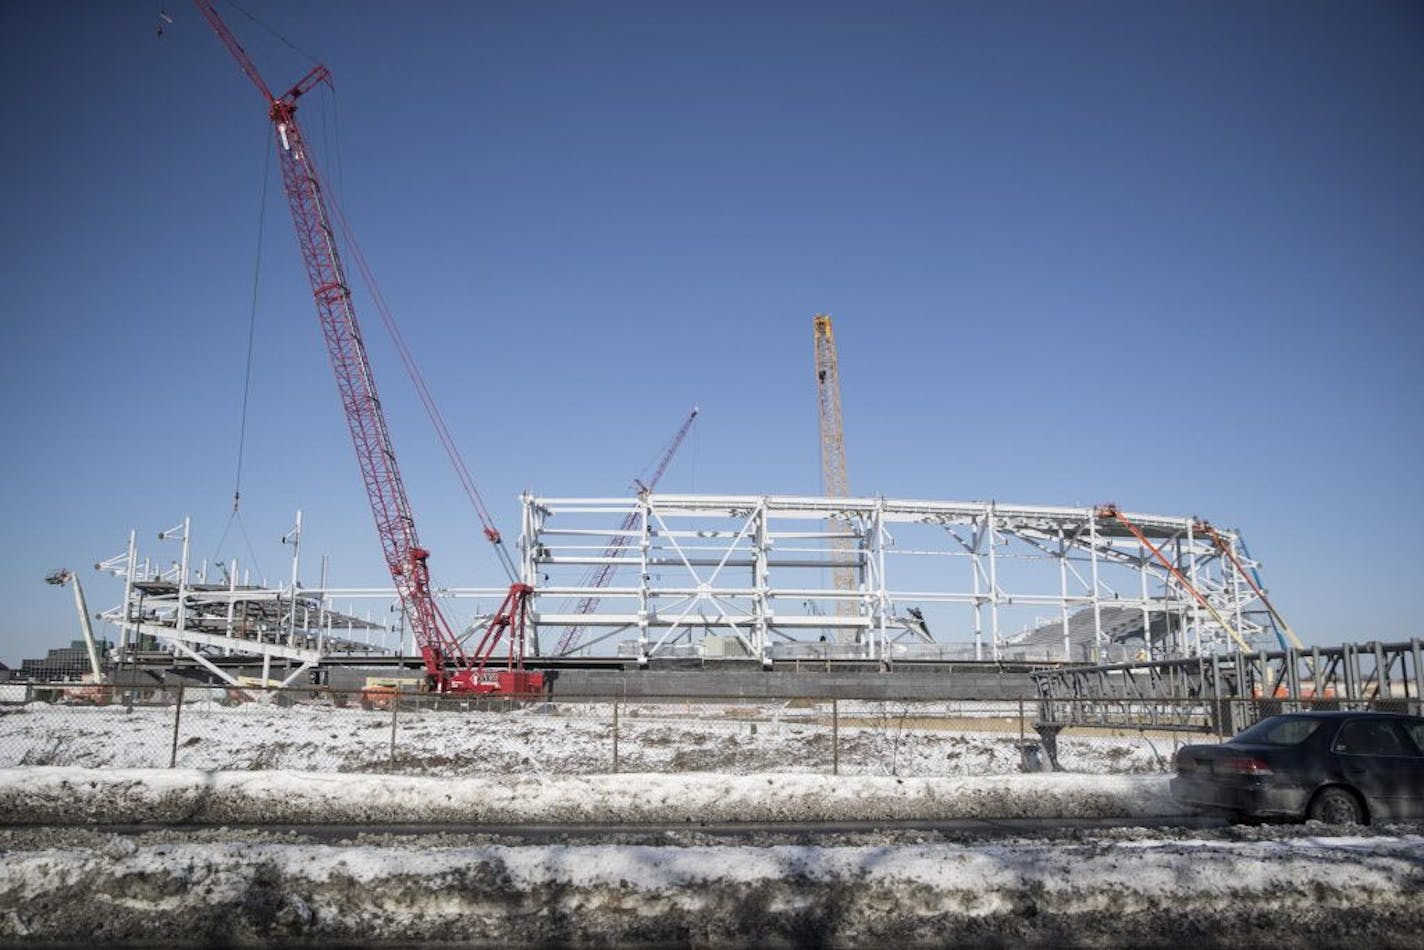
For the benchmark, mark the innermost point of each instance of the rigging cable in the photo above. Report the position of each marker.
(407, 359)
(251, 329)
(286, 42)
(235, 514)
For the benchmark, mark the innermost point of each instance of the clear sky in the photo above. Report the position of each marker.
(1164, 254)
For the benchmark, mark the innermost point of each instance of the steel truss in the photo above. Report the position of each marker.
(292, 626)
(753, 576)
(1233, 690)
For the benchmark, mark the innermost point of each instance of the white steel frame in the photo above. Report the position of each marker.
(754, 573)
(303, 627)
(698, 566)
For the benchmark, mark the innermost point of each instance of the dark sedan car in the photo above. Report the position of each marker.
(1337, 767)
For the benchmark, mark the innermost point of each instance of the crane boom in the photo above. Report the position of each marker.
(834, 483)
(1254, 580)
(1111, 511)
(64, 576)
(446, 664)
(601, 575)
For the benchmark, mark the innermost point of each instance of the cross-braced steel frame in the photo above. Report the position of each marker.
(753, 576)
(1231, 690)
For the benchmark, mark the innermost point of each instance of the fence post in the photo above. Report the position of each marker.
(835, 737)
(177, 718)
(395, 716)
(615, 735)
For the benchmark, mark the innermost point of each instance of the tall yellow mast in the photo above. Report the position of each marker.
(834, 483)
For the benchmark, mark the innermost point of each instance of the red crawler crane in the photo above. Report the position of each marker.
(448, 667)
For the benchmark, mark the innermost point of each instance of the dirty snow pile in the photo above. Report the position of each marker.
(58, 795)
(1302, 892)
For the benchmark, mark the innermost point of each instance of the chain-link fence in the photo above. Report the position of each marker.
(381, 730)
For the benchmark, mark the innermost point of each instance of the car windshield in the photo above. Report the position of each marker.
(1279, 730)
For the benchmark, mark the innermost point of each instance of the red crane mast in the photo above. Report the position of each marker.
(447, 666)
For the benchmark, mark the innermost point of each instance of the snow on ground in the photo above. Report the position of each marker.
(925, 739)
(68, 795)
(728, 763)
(1293, 892)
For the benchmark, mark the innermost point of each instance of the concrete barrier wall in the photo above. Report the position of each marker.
(952, 683)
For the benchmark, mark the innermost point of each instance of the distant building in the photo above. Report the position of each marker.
(61, 663)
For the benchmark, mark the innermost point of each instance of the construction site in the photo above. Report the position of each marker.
(1010, 384)
(654, 583)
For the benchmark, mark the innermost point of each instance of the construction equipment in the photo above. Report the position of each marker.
(1284, 632)
(382, 692)
(603, 573)
(65, 576)
(834, 483)
(448, 667)
(1111, 512)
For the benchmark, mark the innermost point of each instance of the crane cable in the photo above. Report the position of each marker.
(236, 514)
(437, 420)
(282, 39)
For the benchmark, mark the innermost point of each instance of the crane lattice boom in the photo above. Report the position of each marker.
(834, 483)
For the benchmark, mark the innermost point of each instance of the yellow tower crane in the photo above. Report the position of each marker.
(834, 483)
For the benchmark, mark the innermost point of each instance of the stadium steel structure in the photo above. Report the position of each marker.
(180, 609)
(753, 576)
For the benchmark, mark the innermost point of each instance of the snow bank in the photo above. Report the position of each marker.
(65, 795)
(1306, 892)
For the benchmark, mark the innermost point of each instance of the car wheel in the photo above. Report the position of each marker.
(1335, 806)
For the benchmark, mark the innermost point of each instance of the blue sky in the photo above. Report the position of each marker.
(1161, 254)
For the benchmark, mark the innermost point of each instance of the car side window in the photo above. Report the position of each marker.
(1416, 732)
(1279, 730)
(1370, 737)
(1293, 731)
